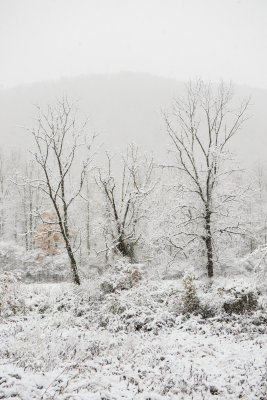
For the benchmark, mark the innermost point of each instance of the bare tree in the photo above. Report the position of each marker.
(3, 194)
(201, 126)
(28, 200)
(62, 151)
(125, 193)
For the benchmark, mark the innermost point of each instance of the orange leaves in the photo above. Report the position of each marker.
(48, 236)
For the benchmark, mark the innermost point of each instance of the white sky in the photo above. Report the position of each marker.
(213, 39)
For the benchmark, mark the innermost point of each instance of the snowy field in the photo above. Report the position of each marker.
(82, 344)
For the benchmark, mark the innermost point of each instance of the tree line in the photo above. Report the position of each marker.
(195, 207)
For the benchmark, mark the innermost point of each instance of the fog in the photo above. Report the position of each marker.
(214, 39)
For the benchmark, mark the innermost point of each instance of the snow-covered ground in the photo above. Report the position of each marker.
(75, 343)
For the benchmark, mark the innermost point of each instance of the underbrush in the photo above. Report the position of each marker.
(134, 304)
(150, 340)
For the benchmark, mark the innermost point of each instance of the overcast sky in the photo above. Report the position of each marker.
(213, 39)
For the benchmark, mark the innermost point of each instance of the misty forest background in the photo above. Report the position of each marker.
(125, 117)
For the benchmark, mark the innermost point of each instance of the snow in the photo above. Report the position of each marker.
(80, 344)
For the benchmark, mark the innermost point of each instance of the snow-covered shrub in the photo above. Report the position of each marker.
(242, 302)
(149, 306)
(122, 276)
(10, 302)
(195, 298)
(191, 302)
(237, 295)
(3, 288)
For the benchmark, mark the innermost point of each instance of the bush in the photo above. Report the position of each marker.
(191, 302)
(206, 311)
(243, 302)
(9, 302)
(107, 287)
(122, 276)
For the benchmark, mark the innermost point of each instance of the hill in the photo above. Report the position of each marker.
(123, 108)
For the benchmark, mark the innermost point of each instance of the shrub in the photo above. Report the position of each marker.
(9, 302)
(122, 276)
(191, 302)
(243, 302)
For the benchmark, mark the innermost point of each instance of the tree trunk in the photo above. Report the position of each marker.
(208, 243)
(30, 219)
(24, 203)
(88, 223)
(122, 247)
(73, 266)
(126, 249)
(65, 233)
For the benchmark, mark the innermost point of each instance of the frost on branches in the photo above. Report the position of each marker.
(129, 275)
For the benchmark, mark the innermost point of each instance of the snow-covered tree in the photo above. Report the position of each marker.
(125, 193)
(201, 126)
(62, 151)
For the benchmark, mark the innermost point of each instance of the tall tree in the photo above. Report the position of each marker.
(201, 125)
(125, 194)
(62, 153)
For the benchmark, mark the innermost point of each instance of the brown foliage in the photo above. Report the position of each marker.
(47, 236)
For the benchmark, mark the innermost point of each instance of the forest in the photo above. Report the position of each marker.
(145, 273)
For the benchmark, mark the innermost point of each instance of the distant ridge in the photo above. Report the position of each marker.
(124, 107)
